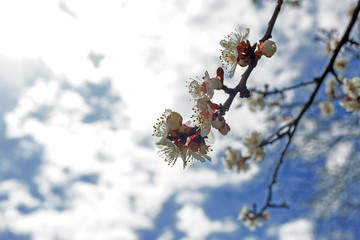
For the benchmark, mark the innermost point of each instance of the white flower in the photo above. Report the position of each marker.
(327, 108)
(243, 213)
(169, 120)
(269, 48)
(176, 140)
(341, 64)
(252, 142)
(196, 151)
(252, 224)
(229, 55)
(174, 121)
(257, 154)
(350, 105)
(331, 45)
(197, 89)
(230, 159)
(169, 151)
(234, 159)
(203, 115)
(250, 220)
(255, 101)
(224, 129)
(330, 88)
(351, 88)
(205, 88)
(218, 121)
(211, 84)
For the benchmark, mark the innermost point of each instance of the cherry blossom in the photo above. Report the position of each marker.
(177, 140)
(341, 64)
(234, 159)
(252, 142)
(255, 102)
(204, 88)
(233, 44)
(351, 104)
(330, 89)
(327, 108)
(251, 219)
(351, 87)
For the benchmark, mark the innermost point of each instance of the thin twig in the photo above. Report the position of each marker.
(271, 23)
(281, 91)
(241, 87)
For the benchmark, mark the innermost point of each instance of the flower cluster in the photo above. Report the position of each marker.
(176, 139)
(251, 218)
(206, 113)
(237, 50)
(253, 144)
(352, 90)
(234, 159)
(256, 101)
(189, 141)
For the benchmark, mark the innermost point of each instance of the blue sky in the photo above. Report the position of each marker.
(83, 82)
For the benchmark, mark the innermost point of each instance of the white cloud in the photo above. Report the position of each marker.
(338, 156)
(193, 221)
(250, 238)
(166, 235)
(300, 229)
(190, 197)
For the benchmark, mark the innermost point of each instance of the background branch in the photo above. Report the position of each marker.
(292, 126)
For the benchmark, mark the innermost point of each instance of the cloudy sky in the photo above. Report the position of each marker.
(83, 82)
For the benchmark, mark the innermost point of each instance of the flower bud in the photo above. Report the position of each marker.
(174, 120)
(269, 48)
(225, 128)
(218, 121)
(216, 83)
(184, 129)
(220, 74)
(265, 216)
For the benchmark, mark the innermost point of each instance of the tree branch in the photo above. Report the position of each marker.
(271, 23)
(241, 87)
(293, 125)
(281, 91)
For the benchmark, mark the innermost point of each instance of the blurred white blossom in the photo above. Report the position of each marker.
(250, 219)
(327, 108)
(330, 88)
(256, 101)
(351, 87)
(252, 142)
(234, 159)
